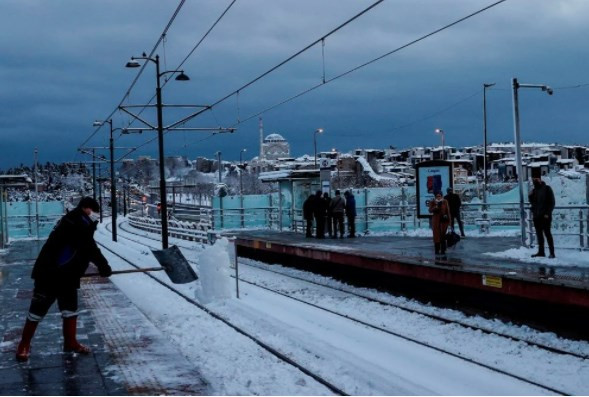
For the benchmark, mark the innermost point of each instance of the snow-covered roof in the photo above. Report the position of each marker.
(539, 164)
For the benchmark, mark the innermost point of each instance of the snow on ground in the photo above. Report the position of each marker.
(356, 358)
(563, 257)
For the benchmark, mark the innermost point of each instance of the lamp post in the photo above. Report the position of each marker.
(113, 185)
(160, 134)
(36, 194)
(485, 177)
(317, 131)
(518, 156)
(219, 164)
(440, 132)
(241, 168)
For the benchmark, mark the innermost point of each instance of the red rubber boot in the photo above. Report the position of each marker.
(24, 347)
(70, 343)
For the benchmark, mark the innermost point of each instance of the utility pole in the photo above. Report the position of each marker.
(36, 194)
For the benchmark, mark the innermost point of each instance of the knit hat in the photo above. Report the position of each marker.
(89, 202)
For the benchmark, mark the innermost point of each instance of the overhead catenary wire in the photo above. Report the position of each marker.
(200, 41)
(128, 92)
(312, 88)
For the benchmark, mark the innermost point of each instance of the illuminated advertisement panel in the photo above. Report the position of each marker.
(431, 177)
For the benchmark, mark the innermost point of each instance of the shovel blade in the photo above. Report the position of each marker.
(175, 265)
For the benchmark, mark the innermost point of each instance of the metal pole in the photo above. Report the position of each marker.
(315, 147)
(113, 186)
(160, 139)
(36, 195)
(241, 189)
(518, 160)
(485, 144)
(93, 174)
(219, 164)
(124, 201)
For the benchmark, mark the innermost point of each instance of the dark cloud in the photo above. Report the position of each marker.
(63, 67)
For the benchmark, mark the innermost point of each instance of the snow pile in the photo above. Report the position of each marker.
(563, 257)
(214, 273)
(368, 169)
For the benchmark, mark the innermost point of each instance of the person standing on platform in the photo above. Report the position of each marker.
(328, 221)
(320, 213)
(338, 206)
(308, 213)
(351, 213)
(441, 218)
(542, 202)
(455, 203)
(63, 260)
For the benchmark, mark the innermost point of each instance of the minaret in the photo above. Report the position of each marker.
(261, 139)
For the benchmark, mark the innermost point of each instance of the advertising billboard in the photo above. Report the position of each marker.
(431, 177)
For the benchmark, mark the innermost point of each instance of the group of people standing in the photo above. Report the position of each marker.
(328, 214)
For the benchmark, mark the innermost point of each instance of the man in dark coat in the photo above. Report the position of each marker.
(308, 213)
(328, 220)
(351, 213)
(61, 263)
(455, 203)
(320, 214)
(542, 202)
(338, 206)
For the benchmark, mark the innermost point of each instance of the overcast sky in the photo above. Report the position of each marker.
(62, 67)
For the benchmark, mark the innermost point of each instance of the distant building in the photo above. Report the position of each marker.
(275, 147)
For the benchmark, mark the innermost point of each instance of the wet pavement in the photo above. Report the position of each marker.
(468, 254)
(129, 355)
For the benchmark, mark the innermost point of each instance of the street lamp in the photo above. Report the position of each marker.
(241, 168)
(219, 164)
(518, 156)
(317, 131)
(113, 185)
(441, 133)
(160, 134)
(485, 178)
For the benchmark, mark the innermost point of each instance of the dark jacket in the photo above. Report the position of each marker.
(454, 203)
(320, 208)
(309, 208)
(66, 254)
(542, 200)
(350, 205)
(337, 205)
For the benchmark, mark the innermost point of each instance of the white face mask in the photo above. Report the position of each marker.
(94, 216)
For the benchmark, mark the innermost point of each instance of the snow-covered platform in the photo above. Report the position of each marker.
(130, 356)
(497, 266)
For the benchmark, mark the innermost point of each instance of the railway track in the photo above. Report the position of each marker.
(397, 334)
(238, 329)
(405, 308)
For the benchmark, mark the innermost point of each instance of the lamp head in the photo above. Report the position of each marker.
(182, 77)
(548, 90)
(487, 85)
(97, 123)
(439, 131)
(133, 63)
(319, 130)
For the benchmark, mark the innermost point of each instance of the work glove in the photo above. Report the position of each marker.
(105, 271)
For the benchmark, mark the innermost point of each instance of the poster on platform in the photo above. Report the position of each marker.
(431, 177)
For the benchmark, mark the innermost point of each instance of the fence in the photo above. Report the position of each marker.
(20, 220)
(397, 215)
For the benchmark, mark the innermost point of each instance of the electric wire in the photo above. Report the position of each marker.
(128, 92)
(312, 88)
(192, 51)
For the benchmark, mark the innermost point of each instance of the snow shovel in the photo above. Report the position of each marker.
(173, 263)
